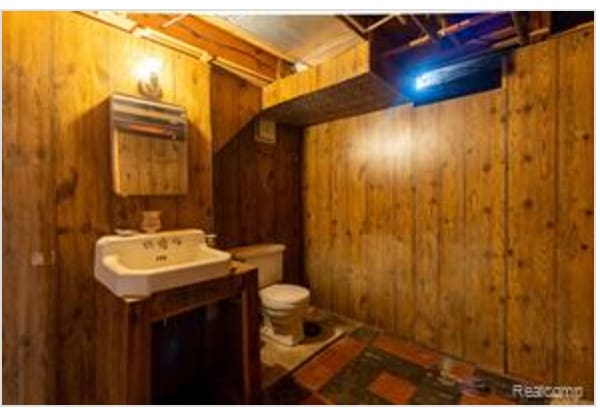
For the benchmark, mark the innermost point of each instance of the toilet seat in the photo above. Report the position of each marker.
(284, 296)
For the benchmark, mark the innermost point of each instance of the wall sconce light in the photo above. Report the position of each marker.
(147, 77)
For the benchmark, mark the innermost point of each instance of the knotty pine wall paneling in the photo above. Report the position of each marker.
(256, 185)
(575, 257)
(62, 132)
(485, 230)
(532, 211)
(425, 122)
(235, 103)
(257, 194)
(490, 199)
(29, 295)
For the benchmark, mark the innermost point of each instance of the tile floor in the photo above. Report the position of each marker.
(368, 367)
(277, 360)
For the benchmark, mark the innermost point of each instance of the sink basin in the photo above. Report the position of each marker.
(140, 265)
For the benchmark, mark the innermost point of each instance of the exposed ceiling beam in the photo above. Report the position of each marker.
(520, 20)
(174, 20)
(401, 19)
(444, 24)
(353, 25)
(379, 23)
(451, 29)
(224, 46)
(427, 30)
(246, 36)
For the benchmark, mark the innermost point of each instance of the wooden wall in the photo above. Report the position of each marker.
(234, 103)
(467, 225)
(56, 188)
(256, 185)
(28, 213)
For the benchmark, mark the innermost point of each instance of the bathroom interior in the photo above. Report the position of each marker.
(334, 208)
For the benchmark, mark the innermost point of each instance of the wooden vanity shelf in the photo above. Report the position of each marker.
(124, 337)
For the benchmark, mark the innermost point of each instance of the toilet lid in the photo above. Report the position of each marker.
(282, 293)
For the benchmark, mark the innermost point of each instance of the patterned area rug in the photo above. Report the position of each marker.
(368, 367)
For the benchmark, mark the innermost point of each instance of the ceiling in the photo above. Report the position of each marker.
(263, 48)
(308, 39)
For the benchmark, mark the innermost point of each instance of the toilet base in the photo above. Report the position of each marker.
(287, 330)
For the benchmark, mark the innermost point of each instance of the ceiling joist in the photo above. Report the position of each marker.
(520, 21)
(443, 32)
(222, 45)
(425, 28)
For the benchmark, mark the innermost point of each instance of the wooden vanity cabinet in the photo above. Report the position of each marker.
(124, 337)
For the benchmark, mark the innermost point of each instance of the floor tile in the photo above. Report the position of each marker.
(366, 367)
(432, 392)
(351, 385)
(286, 391)
(461, 370)
(315, 399)
(490, 399)
(365, 334)
(332, 360)
(408, 351)
(503, 386)
(392, 388)
(407, 370)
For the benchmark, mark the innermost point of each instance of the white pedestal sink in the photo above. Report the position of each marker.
(140, 265)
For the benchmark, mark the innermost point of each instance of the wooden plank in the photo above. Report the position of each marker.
(288, 200)
(29, 287)
(425, 128)
(380, 309)
(403, 220)
(355, 131)
(452, 227)
(195, 209)
(234, 104)
(310, 156)
(532, 213)
(257, 185)
(350, 64)
(248, 187)
(323, 217)
(227, 194)
(265, 189)
(82, 183)
(215, 41)
(339, 220)
(575, 268)
(485, 223)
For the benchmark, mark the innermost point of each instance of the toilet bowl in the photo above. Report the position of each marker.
(283, 306)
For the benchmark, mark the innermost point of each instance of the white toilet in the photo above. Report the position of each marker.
(283, 305)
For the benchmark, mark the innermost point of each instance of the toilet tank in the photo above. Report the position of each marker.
(268, 258)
